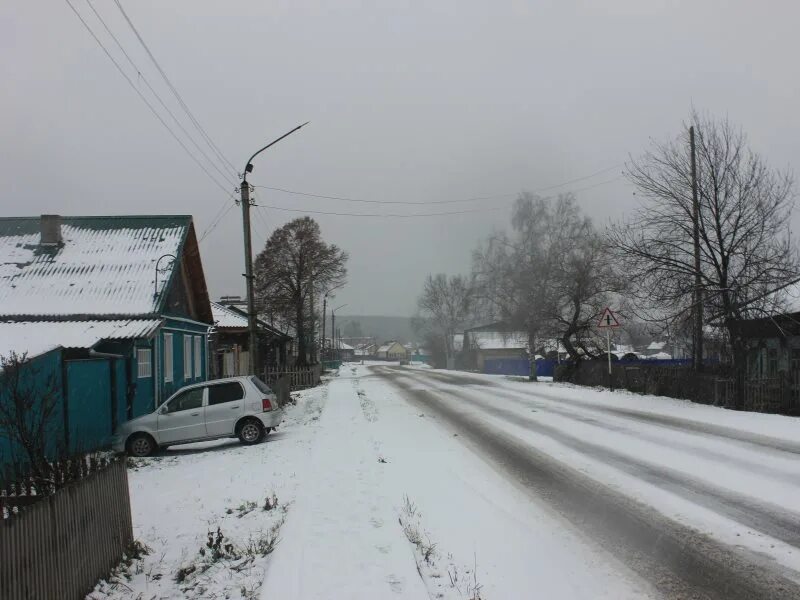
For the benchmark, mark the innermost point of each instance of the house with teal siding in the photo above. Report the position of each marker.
(120, 302)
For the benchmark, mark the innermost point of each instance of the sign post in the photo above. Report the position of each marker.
(608, 320)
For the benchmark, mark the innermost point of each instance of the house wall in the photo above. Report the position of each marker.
(37, 376)
(89, 412)
(482, 355)
(179, 330)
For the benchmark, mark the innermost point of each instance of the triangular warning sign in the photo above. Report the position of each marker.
(608, 319)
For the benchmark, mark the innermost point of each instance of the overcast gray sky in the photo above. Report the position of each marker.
(409, 101)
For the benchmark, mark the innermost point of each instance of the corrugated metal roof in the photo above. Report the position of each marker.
(36, 337)
(226, 318)
(106, 265)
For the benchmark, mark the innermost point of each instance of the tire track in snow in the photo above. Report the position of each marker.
(637, 415)
(679, 561)
(766, 518)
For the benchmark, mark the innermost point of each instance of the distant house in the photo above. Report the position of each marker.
(493, 342)
(230, 341)
(118, 305)
(341, 350)
(391, 350)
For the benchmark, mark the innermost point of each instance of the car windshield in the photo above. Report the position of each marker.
(262, 387)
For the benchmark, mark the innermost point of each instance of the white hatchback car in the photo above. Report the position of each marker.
(243, 407)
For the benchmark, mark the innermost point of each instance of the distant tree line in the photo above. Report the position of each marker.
(553, 271)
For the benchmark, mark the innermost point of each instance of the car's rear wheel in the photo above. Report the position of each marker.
(251, 431)
(141, 444)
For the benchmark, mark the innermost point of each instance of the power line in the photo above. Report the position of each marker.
(216, 221)
(175, 92)
(385, 215)
(418, 215)
(224, 174)
(145, 100)
(473, 199)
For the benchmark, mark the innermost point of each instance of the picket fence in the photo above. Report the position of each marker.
(60, 545)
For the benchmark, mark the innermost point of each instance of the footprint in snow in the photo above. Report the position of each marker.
(376, 523)
(395, 584)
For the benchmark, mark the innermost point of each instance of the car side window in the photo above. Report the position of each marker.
(225, 392)
(187, 400)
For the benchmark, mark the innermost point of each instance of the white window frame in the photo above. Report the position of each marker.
(187, 356)
(168, 358)
(198, 356)
(144, 363)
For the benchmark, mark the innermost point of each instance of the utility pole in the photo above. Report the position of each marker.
(248, 274)
(698, 284)
(322, 337)
(252, 321)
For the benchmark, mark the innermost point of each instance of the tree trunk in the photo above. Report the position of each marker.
(301, 336)
(532, 350)
(739, 356)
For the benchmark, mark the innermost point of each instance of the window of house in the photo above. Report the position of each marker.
(198, 356)
(187, 356)
(225, 392)
(187, 400)
(168, 357)
(772, 362)
(795, 359)
(144, 362)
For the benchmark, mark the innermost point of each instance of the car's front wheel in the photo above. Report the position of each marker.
(251, 431)
(141, 444)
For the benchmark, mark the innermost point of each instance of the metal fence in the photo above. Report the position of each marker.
(59, 546)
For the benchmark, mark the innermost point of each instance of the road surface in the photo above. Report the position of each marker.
(697, 508)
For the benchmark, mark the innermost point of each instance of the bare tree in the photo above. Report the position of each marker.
(295, 267)
(444, 308)
(29, 415)
(550, 277)
(745, 247)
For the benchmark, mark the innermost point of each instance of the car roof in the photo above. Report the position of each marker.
(238, 378)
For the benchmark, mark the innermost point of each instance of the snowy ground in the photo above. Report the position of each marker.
(403, 482)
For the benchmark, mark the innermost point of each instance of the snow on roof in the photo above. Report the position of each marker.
(659, 356)
(656, 345)
(386, 346)
(37, 337)
(499, 340)
(226, 318)
(105, 266)
(623, 349)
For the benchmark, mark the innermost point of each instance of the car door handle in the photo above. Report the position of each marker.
(234, 407)
(195, 414)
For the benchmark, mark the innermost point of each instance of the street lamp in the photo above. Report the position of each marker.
(333, 327)
(248, 252)
(324, 310)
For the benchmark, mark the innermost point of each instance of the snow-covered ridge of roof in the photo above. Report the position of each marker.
(37, 337)
(225, 318)
(387, 346)
(105, 266)
(498, 340)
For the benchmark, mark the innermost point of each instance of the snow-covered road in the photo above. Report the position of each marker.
(698, 501)
(403, 482)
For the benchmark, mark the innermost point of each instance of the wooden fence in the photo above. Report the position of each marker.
(298, 378)
(780, 394)
(62, 544)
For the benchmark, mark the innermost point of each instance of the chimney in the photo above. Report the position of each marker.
(50, 226)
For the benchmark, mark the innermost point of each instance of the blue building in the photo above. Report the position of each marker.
(115, 308)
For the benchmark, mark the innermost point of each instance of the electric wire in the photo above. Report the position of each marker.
(175, 92)
(145, 100)
(416, 215)
(472, 199)
(226, 175)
